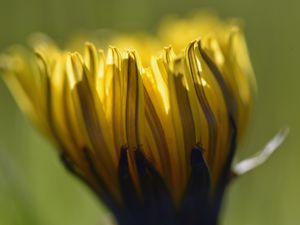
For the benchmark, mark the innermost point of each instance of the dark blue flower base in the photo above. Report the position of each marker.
(198, 207)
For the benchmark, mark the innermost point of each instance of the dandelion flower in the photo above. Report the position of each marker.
(152, 132)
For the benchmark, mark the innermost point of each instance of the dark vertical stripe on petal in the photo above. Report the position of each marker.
(158, 132)
(228, 96)
(209, 115)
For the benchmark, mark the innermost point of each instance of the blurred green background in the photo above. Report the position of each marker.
(34, 187)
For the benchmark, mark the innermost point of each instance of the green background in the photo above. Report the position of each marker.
(36, 190)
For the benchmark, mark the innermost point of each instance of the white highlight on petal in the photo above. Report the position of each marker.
(262, 156)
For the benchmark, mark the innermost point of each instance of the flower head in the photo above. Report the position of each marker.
(148, 130)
